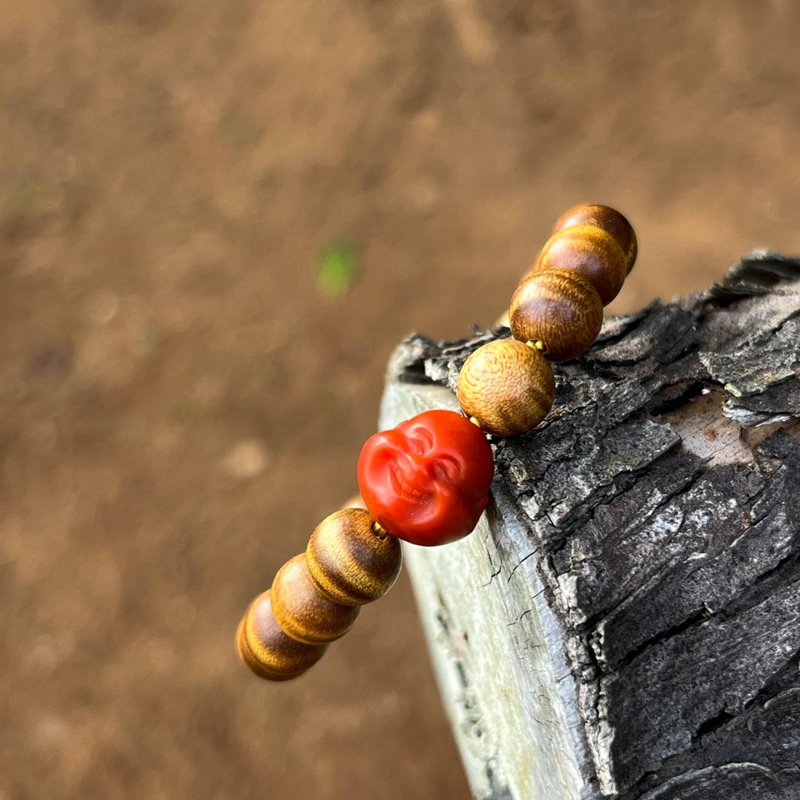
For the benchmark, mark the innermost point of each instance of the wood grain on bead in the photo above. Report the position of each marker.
(561, 309)
(349, 561)
(267, 650)
(590, 251)
(607, 218)
(303, 612)
(507, 386)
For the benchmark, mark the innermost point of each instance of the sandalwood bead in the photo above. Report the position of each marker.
(302, 611)
(267, 650)
(507, 386)
(561, 309)
(351, 563)
(607, 218)
(590, 251)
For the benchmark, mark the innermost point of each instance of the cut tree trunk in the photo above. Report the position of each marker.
(625, 621)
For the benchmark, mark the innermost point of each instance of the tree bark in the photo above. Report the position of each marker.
(625, 621)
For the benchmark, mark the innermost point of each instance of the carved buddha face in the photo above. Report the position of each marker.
(427, 480)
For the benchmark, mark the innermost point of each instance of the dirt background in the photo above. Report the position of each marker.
(179, 404)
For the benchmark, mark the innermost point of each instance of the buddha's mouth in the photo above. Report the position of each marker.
(409, 483)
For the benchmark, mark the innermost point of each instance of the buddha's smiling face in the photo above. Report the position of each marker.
(427, 480)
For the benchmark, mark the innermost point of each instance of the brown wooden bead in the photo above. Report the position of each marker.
(267, 650)
(561, 309)
(607, 218)
(302, 610)
(592, 252)
(507, 386)
(349, 561)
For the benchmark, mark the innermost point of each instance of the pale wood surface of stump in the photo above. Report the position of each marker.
(625, 621)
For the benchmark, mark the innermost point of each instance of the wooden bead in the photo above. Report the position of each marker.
(592, 252)
(350, 563)
(607, 218)
(267, 650)
(302, 611)
(561, 309)
(507, 386)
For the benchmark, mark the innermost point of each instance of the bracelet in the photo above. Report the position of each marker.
(427, 480)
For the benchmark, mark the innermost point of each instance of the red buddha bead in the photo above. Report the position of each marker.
(427, 480)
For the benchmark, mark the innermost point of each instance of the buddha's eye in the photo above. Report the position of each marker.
(447, 469)
(420, 441)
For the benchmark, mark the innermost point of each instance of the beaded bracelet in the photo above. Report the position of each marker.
(427, 480)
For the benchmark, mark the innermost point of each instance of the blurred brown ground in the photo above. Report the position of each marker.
(178, 403)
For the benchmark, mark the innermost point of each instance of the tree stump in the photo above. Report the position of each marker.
(625, 621)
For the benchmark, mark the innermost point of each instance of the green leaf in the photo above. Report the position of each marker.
(336, 270)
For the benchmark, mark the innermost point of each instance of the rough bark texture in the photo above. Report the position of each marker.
(650, 525)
